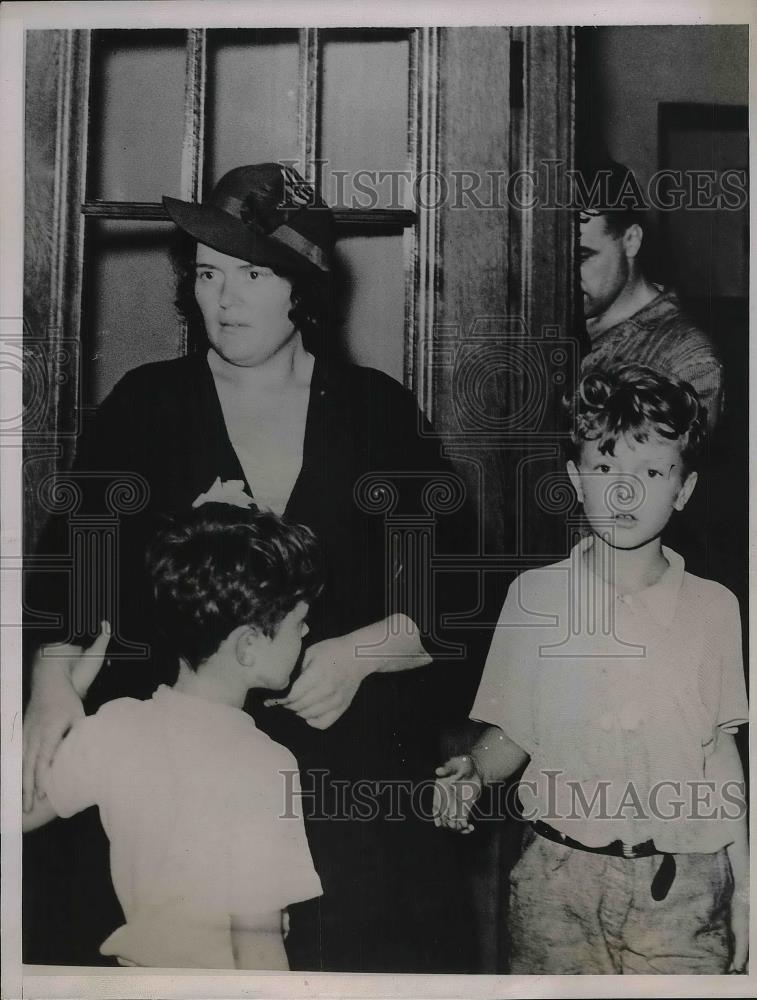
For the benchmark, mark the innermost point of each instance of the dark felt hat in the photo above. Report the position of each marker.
(265, 213)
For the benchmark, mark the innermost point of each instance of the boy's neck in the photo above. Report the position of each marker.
(627, 570)
(213, 683)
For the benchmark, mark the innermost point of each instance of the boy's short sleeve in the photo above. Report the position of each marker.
(73, 781)
(272, 865)
(299, 880)
(733, 707)
(83, 766)
(505, 694)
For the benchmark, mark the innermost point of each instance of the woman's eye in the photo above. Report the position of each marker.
(604, 469)
(653, 473)
(204, 275)
(252, 275)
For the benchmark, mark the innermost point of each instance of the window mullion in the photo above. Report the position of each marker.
(193, 147)
(310, 104)
(72, 155)
(422, 241)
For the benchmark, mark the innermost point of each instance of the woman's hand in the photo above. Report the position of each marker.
(458, 787)
(89, 663)
(740, 930)
(331, 675)
(61, 676)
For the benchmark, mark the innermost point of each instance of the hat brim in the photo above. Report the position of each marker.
(223, 232)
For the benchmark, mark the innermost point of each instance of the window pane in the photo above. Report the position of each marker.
(137, 115)
(252, 102)
(370, 271)
(364, 113)
(129, 316)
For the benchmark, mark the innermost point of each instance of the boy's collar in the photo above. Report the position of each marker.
(189, 705)
(661, 599)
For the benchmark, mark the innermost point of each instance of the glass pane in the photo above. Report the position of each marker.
(252, 101)
(129, 315)
(136, 115)
(364, 115)
(370, 271)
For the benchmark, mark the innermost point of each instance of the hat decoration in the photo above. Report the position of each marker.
(264, 213)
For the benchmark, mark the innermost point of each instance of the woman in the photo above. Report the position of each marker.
(342, 449)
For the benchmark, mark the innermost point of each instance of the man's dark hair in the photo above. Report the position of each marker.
(632, 399)
(221, 566)
(311, 297)
(611, 190)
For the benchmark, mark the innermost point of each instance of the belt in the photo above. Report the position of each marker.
(664, 875)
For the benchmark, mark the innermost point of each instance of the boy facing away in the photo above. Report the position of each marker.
(205, 850)
(617, 677)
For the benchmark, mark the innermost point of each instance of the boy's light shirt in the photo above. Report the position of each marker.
(620, 697)
(170, 937)
(191, 795)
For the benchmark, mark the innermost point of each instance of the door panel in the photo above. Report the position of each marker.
(370, 272)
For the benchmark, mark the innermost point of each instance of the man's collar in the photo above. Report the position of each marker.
(665, 302)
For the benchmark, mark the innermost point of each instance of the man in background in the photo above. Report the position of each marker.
(628, 316)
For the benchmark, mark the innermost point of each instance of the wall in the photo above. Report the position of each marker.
(637, 67)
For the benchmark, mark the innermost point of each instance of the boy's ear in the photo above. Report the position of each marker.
(575, 478)
(687, 488)
(247, 645)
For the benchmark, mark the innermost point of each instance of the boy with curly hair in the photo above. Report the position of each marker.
(205, 849)
(617, 678)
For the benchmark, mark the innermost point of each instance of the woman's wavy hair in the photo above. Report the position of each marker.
(632, 399)
(221, 566)
(312, 298)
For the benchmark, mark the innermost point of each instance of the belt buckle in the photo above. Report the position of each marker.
(629, 850)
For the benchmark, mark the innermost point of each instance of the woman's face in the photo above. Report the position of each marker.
(245, 307)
